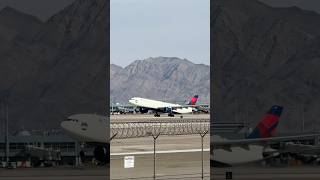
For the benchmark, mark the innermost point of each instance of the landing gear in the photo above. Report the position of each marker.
(156, 115)
(171, 115)
(101, 155)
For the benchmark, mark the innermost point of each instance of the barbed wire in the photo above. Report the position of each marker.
(122, 130)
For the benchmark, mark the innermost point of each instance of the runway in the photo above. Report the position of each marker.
(150, 117)
(159, 152)
(163, 143)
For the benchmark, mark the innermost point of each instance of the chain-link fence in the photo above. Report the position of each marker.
(123, 130)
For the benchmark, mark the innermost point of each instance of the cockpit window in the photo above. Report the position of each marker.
(73, 120)
(84, 124)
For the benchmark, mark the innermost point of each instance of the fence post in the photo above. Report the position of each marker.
(154, 154)
(202, 136)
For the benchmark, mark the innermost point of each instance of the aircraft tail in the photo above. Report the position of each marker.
(266, 128)
(194, 100)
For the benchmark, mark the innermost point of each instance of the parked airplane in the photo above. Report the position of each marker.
(256, 146)
(163, 107)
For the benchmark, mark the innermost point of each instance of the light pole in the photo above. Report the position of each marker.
(5, 106)
(76, 143)
(7, 131)
(302, 116)
(4, 99)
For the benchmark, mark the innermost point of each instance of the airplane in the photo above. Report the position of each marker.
(163, 107)
(91, 129)
(256, 146)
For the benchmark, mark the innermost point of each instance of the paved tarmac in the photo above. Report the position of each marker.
(178, 157)
(61, 173)
(268, 173)
(187, 165)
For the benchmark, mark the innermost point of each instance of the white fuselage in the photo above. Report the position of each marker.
(154, 104)
(87, 128)
(236, 155)
(149, 103)
(183, 110)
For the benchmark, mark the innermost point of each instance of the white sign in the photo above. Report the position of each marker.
(128, 161)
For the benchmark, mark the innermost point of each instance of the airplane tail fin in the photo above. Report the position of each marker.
(194, 100)
(266, 128)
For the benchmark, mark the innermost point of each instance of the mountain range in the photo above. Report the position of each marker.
(263, 56)
(55, 68)
(163, 78)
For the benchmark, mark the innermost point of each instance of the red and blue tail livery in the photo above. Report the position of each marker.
(194, 100)
(267, 127)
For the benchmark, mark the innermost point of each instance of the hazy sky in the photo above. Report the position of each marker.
(152, 28)
(43, 9)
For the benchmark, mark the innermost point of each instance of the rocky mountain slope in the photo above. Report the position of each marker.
(55, 68)
(264, 56)
(164, 78)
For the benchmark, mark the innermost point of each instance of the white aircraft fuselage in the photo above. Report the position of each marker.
(160, 105)
(237, 155)
(87, 128)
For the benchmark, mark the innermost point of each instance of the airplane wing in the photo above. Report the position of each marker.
(244, 143)
(302, 149)
(193, 106)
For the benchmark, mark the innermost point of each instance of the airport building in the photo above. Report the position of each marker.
(50, 150)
